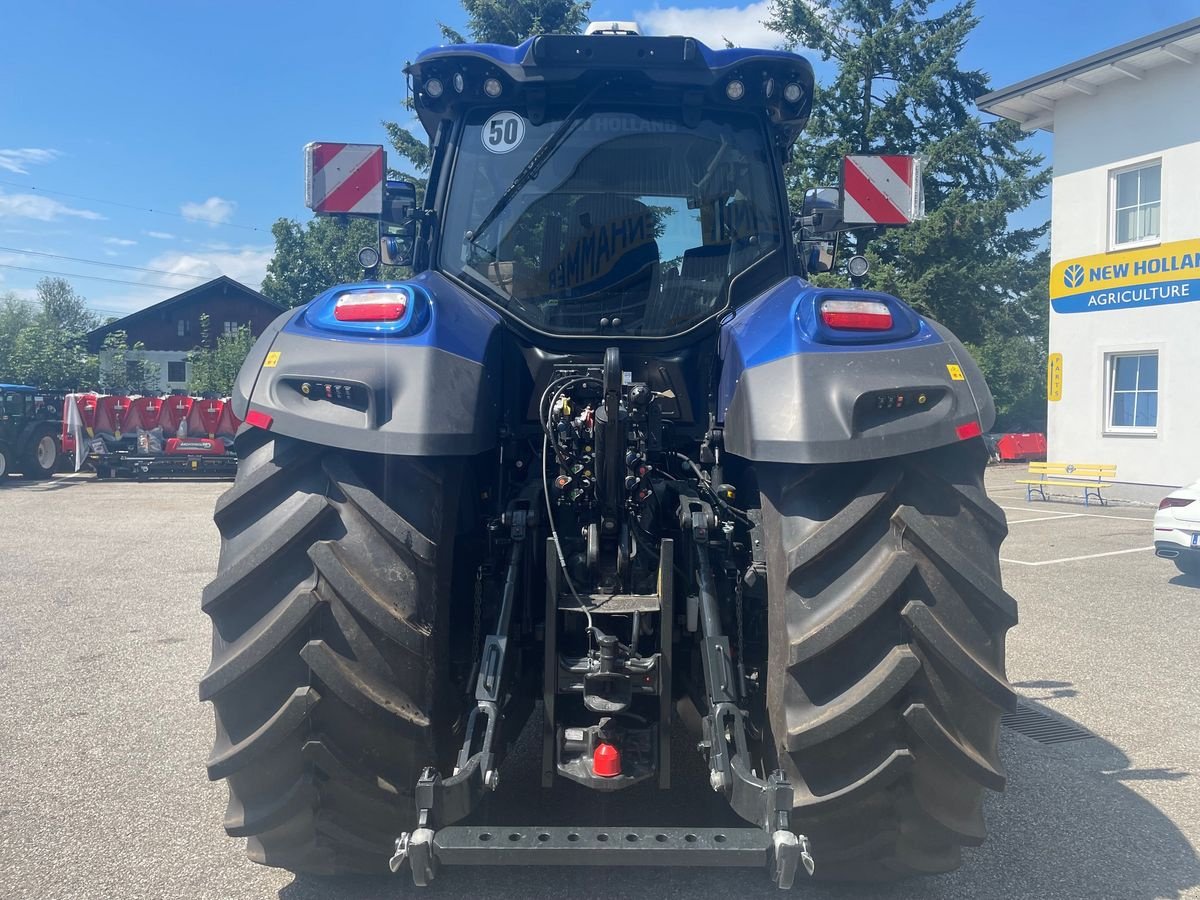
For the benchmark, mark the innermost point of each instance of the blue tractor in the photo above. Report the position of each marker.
(608, 455)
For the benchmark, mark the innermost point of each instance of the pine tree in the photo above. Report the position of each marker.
(512, 21)
(900, 88)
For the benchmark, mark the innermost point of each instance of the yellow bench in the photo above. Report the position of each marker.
(1088, 476)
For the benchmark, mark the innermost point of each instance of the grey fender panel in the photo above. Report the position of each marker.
(420, 401)
(813, 407)
(243, 386)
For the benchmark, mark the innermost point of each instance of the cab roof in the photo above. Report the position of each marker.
(560, 67)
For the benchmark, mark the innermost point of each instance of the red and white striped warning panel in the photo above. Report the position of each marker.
(344, 179)
(882, 190)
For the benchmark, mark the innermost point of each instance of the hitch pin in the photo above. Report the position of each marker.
(806, 859)
(401, 853)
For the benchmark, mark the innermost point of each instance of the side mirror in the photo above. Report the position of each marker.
(398, 224)
(820, 217)
(399, 202)
(821, 211)
(820, 256)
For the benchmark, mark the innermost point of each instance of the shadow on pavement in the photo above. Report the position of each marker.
(1066, 827)
(1054, 689)
(1192, 581)
(57, 483)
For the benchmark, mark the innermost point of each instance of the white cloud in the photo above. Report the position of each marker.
(214, 211)
(120, 242)
(160, 235)
(17, 160)
(43, 209)
(247, 264)
(714, 25)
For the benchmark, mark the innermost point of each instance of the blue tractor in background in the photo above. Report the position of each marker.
(610, 459)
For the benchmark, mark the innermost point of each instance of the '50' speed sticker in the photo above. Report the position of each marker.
(503, 132)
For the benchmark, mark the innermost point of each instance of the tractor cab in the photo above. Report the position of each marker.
(610, 184)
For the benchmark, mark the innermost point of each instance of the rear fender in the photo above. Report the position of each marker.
(790, 394)
(422, 391)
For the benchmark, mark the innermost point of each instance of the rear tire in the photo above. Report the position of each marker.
(41, 457)
(5, 462)
(886, 674)
(329, 669)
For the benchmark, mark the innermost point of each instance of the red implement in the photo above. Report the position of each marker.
(1029, 445)
(194, 446)
(175, 410)
(207, 415)
(112, 414)
(145, 413)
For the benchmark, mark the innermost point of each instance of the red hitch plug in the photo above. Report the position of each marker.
(606, 761)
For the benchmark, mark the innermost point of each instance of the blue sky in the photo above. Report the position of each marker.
(200, 110)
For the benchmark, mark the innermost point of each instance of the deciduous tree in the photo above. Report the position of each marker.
(215, 363)
(315, 255)
(44, 343)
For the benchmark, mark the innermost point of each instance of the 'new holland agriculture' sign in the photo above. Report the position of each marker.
(1152, 276)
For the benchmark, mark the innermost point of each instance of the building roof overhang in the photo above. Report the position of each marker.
(1032, 102)
(223, 281)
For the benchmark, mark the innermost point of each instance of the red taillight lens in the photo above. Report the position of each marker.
(968, 431)
(1172, 502)
(856, 315)
(369, 306)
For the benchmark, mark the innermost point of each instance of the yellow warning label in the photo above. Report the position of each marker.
(272, 360)
(956, 373)
(1054, 372)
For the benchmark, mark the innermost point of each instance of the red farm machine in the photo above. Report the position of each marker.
(122, 436)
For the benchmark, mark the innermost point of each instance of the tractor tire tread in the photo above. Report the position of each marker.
(325, 610)
(884, 581)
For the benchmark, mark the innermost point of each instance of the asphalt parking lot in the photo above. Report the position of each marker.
(103, 793)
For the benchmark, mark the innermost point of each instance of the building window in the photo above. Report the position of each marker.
(185, 327)
(176, 371)
(231, 328)
(1136, 204)
(1132, 392)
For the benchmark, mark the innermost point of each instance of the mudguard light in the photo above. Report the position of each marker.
(856, 315)
(371, 306)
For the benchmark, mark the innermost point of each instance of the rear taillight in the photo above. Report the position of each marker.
(856, 315)
(369, 306)
(1172, 502)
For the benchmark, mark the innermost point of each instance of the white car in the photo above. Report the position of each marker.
(1177, 529)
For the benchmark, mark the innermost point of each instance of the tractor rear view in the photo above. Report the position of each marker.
(609, 452)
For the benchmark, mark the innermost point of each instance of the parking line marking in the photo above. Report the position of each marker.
(1085, 515)
(1048, 518)
(1048, 562)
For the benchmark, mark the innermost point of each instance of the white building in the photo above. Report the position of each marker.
(1125, 252)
